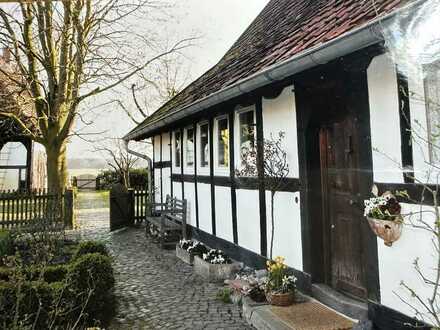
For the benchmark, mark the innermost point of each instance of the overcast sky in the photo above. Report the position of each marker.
(218, 23)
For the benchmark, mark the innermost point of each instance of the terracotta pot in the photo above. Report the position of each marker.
(280, 299)
(389, 231)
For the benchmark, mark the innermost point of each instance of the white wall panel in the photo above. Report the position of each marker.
(190, 197)
(156, 148)
(396, 262)
(177, 190)
(279, 114)
(223, 214)
(166, 182)
(248, 219)
(287, 235)
(157, 185)
(385, 120)
(204, 193)
(165, 147)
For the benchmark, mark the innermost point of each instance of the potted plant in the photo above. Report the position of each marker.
(215, 265)
(281, 284)
(384, 216)
(187, 249)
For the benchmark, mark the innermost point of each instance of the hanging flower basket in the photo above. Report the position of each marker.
(280, 299)
(383, 215)
(389, 231)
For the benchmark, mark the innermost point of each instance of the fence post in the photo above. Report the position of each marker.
(130, 204)
(68, 208)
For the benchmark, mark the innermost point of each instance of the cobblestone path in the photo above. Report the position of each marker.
(154, 289)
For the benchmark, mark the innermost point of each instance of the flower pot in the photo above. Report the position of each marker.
(280, 299)
(215, 272)
(389, 231)
(184, 255)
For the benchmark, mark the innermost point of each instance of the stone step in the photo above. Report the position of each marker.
(354, 309)
(307, 315)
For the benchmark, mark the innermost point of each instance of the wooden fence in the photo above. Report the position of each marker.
(128, 207)
(141, 204)
(24, 208)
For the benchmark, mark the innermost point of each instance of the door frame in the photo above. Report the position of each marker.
(354, 70)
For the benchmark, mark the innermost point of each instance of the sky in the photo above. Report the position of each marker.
(217, 24)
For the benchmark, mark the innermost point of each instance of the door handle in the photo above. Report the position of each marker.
(352, 202)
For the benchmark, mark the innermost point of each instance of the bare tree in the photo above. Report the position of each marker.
(66, 52)
(118, 158)
(275, 169)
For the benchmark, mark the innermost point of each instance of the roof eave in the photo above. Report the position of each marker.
(356, 39)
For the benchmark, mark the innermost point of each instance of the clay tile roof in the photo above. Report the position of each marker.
(283, 29)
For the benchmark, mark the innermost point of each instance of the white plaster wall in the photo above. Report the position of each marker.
(190, 197)
(223, 214)
(156, 148)
(396, 262)
(177, 190)
(384, 120)
(157, 192)
(204, 194)
(423, 170)
(166, 182)
(165, 147)
(248, 219)
(287, 235)
(279, 114)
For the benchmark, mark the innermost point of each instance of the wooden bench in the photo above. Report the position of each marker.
(167, 224)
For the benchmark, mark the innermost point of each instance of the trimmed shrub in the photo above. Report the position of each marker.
(90, 247)
(91, 281)
(30, 303)
(5, 273)
(6, 243)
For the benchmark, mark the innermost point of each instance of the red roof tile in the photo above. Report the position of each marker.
(283, 29)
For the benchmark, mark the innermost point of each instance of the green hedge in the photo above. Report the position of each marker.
(6, 244)
(84, 285)
(90, 247)
(106, 179)
(91, 281)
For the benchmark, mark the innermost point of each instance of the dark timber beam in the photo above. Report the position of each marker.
(260, 167)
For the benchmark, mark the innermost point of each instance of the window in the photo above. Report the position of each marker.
(204, 145)
(432, 95)
(246, 131)
(190, 147)
(177, 146)
(223, 142)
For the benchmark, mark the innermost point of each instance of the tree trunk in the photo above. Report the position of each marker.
(56, 168)
(272, 218)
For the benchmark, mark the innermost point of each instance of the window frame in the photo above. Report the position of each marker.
(218, 167)
(199, 147)
(175, 164)
(237, 142)
(190, 166)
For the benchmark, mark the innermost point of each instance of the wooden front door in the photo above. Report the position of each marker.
(342, 212)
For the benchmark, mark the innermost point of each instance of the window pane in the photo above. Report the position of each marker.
(432, 85)
(247, 131)
(223, 143)
(190, 147)
(204, 146)
(177, 141)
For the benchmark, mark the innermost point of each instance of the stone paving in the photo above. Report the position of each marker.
(155, 290)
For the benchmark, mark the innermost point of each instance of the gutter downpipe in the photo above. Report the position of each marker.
(350, 42)
(150, 168)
